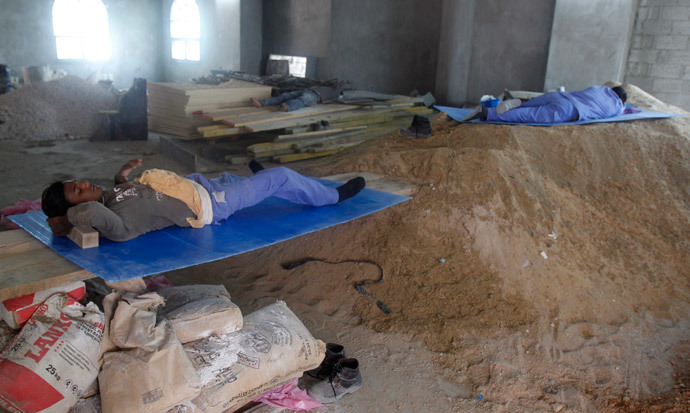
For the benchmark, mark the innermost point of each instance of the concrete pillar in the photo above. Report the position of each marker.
(455, 47)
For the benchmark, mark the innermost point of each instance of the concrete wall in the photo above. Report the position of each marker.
(589, 42)
(220, 40)
(26, 39)
(384, 45)
(251, 36)
(454, 51)
(510, 44)
(659, 59)
(297, 27)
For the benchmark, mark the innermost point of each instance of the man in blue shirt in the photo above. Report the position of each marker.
(596, 102)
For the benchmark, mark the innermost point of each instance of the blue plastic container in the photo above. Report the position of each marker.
(491, 103)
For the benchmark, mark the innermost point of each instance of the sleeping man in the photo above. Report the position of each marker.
(159, 199)
(596, 102)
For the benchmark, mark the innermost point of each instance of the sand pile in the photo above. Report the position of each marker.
(65, 108)
(547, 268)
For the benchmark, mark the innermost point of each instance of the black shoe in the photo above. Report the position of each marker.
(334, 352)
(344, 379)
(420, 128)
(350, 188)
(255, 166)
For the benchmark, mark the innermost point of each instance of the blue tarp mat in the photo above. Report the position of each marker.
(458, 114)
(269, 222)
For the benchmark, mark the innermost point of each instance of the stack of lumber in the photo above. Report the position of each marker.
(350, 124)
(171, 105)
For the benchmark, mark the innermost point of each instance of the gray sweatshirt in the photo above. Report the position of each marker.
(129, 210)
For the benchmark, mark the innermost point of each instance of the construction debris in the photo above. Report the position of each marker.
(65, 108)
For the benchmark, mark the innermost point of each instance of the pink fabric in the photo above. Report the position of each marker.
(22, 206)
(290, 396)
(157, 283)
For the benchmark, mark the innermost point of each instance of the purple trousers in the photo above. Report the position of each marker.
(230, 193)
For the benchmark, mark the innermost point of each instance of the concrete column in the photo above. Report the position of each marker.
(455, 47)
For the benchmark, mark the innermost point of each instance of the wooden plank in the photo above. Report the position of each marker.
(84, 237)
(349, 115)
(378, 182)
(315, 134)
(223, 132)
(331, 146)
(302, 156)
(258, 148)
(340, 138)
(229, 113)
(278, 116)
(41, 276)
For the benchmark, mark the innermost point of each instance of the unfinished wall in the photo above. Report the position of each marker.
(383, 45)
(589, 43)
(220, 40)
(26, 39)
(659, 59)
(454, 51)
(510, 45)
(251, 36)
(297, 27)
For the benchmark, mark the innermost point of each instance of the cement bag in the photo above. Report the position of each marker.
(273, 347)
(6, 335)
(155, 374)
(16, 311)
(198, 311)
(53, 359)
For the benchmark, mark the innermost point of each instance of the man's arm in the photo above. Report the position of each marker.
(123, 175)
(100, 217)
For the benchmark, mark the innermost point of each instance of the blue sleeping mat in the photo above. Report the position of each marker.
(269, 222)
(458, 114)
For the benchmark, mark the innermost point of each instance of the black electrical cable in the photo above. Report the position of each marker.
(358, 285)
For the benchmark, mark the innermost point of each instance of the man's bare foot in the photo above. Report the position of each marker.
(256, 103)
(284, 107)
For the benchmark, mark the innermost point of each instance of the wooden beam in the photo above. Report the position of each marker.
(27, 266)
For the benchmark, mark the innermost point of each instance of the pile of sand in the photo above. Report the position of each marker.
(65, 108)
(547, 268)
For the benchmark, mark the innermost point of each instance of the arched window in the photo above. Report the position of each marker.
(81, 29)
(185, 30)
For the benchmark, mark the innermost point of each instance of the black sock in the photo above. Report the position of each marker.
(255, 166)
(350, 188)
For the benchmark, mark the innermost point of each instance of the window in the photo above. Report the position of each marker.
(297, 64)
(81, 30)
(185, 30)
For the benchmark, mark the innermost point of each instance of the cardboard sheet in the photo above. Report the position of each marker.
(269, 222)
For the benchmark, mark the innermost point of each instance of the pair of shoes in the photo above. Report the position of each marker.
(323, 125)
(420, 128)
(507, 105)
(337, 376)
(480, 112)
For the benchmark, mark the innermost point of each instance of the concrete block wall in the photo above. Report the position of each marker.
(659, 60)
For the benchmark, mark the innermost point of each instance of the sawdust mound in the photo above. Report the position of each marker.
(545, 267)
(549, 267)
(65, 108)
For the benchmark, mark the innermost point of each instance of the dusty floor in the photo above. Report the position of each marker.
(536, 269)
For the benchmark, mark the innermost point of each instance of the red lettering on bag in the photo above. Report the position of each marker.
(49, 338)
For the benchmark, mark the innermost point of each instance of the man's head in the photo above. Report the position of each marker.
(61, 196)
(620, 91)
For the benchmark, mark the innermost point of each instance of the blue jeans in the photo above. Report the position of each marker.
(293, 100)
(230, 193)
